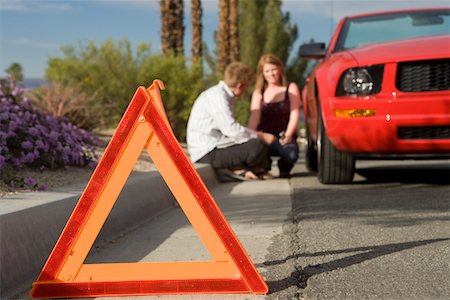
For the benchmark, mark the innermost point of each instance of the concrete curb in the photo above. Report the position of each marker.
(31, 223)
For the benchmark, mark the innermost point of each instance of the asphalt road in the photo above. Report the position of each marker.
(386, 236)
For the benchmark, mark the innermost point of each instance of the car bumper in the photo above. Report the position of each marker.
(396, 124)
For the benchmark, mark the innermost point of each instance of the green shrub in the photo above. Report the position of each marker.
(183, 85)
(112, 72)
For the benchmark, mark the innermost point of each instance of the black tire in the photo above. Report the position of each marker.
(335, 167)
(310, 153)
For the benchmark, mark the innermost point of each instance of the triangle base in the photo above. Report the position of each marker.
(155, 287)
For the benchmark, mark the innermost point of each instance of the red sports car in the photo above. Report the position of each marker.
(380, 90)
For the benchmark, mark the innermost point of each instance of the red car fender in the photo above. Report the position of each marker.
(327, 75)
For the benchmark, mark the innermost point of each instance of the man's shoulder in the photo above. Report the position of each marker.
(216, 88)
(215, 92)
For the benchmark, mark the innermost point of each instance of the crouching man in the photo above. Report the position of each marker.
(216, 138)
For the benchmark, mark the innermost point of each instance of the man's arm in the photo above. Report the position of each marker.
(226, 123)
(266, 138)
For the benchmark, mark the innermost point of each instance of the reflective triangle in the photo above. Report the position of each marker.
(145, 125)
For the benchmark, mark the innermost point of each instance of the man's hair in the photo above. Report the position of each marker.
(238, 72)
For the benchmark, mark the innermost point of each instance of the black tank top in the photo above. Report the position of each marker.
(275, 115)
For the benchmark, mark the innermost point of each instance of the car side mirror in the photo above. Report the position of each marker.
(313, 50)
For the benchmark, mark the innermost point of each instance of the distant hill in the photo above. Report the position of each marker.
(32, 83)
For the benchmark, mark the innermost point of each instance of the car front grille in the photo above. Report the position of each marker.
(423, 132)
(423, 76)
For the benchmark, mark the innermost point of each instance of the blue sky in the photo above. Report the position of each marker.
(32, 31)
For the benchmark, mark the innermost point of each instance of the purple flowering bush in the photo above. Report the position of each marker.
(32, 139)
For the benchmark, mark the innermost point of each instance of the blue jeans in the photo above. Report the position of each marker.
(288, 155)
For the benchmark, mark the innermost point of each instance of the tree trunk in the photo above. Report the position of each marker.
(223, 38)
(172, 28)
(234, 31)
(179, 27)
(196, 15)
(165, 26)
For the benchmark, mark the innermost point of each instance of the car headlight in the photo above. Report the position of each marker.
(361, 81)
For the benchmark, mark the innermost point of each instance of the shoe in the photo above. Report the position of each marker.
(285, 175)
(265, 176)
(262, 174)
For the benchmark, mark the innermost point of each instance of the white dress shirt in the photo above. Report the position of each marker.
(212, 125)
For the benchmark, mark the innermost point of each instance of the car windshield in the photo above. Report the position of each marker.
(357, 32)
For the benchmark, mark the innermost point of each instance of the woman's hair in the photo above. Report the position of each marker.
(238, 72)
(268, 58)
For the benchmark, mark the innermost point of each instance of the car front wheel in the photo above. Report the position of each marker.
(334, 166)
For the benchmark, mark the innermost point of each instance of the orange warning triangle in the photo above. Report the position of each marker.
(145, 125)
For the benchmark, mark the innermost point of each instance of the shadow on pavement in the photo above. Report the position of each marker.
(299, 277)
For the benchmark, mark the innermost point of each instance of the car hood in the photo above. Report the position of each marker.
(405, 50)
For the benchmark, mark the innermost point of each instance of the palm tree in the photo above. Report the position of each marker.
(223, 38)
(165, 26)
(179, 27)
(172, 28)
(234, 31)
(196, 15)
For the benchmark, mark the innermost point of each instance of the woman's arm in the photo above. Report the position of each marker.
(294, 98)
(255, 110)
